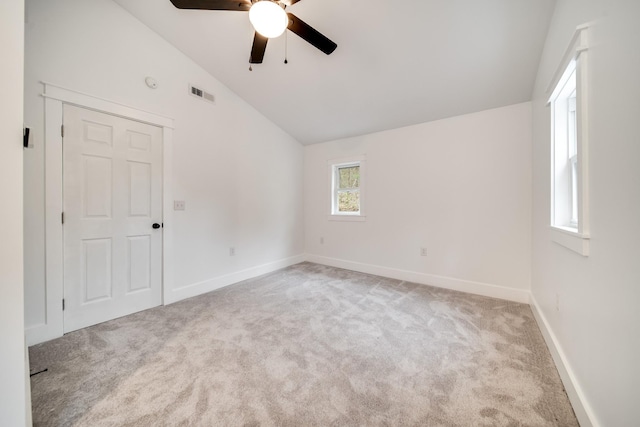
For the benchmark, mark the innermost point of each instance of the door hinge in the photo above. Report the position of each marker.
(62, 131)
(62, 217)
(62, 304)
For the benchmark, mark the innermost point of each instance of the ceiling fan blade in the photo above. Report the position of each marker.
(258, 48)
(311, 35)
(240, 5)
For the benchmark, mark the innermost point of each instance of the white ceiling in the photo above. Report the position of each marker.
(397, 63)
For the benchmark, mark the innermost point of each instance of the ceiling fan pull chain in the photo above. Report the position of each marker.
(285, 47)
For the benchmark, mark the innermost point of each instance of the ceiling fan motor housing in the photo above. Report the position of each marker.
(290, 21)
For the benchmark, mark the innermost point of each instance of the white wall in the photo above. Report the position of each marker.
(596, 326)
(461, 187)
(240, 175)
(14, 401)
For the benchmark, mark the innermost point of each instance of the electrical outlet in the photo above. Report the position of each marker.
(322, 240)
(423, 251)
(232, 251)
(178, 205)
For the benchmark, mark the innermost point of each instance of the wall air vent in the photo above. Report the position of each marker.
(199, 93)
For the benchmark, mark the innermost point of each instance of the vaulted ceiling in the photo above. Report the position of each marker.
(397, 63)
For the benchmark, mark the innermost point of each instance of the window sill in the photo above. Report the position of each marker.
(570, 239)
(357, 218)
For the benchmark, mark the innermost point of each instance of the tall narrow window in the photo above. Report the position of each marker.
(569, 160)
(565, 152)
(347, 179)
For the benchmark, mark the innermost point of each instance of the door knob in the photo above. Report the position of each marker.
(156, 225)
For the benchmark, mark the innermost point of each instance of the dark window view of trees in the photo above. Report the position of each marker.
(349, 201)
(349, 177)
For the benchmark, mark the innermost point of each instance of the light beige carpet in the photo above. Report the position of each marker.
(309, 345)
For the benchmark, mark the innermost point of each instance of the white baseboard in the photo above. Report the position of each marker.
(209, 285)
(478, 288)
(43, 332)
(37, 334)
(581, 407)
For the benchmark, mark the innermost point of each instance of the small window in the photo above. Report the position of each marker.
(347, 189)
(346, 177)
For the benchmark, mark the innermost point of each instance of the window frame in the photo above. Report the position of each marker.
(569, 186)
(564, 214)
(334, 166)
(337, 190)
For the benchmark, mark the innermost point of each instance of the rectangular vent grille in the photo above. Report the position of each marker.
(197, 92)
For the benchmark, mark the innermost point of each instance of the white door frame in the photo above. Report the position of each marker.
(55, 96)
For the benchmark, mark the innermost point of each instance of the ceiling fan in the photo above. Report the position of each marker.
(268, 19)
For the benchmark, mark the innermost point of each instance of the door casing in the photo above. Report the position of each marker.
(55, 96)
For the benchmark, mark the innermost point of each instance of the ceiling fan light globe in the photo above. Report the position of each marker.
(268, 18)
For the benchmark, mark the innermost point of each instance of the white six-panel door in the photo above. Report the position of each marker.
(112, 184)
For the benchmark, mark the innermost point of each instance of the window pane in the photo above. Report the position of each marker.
(572, 125)
(349, 201)
(574, 191)
(349, 177)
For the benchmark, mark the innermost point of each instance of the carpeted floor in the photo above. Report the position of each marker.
(308, 345)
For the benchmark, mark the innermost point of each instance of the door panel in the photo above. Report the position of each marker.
(112, 196)
(139, 262)
(96, 269)
(97, 187)
(139, 189)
